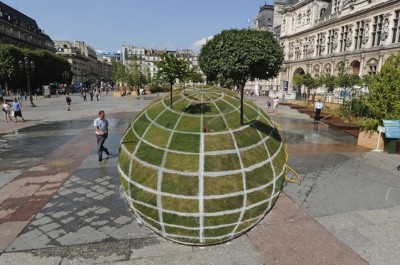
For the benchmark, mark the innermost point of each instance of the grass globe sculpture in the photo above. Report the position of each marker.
(193, 174)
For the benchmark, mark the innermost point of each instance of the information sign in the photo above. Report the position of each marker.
(392, 128)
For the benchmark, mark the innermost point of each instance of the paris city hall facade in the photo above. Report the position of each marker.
(319, 35)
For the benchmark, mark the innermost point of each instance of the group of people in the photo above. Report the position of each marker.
(92, 93)
(12, 110)
(318, 106)
(274, 103)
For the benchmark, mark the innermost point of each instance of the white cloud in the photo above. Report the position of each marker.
(198, 44)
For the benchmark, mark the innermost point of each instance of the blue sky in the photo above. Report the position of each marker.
(107, 25)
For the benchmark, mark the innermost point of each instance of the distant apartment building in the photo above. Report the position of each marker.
(145, 59)
(22, 31)
(85, 65)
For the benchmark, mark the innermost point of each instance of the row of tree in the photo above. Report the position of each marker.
(350, 83)
(49, 67)
(170, 69)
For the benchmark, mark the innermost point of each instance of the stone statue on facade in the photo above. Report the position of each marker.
(385, 30)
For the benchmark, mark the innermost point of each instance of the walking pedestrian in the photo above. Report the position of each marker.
(17, 109)
(91, 94)
(7, 110)
(101, 125)
(84, 95)
(276, 104)
(318, 108)
(268, 106)
(68, 101)
(97, 94)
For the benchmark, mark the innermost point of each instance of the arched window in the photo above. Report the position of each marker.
(372, 66)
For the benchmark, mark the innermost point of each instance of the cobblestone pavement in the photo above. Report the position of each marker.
(76, 214)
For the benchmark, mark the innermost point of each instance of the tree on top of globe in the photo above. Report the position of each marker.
(241, 55)
(171, 68)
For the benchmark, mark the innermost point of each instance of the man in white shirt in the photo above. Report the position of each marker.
(101, 125)
(318, 108)
(276, 104)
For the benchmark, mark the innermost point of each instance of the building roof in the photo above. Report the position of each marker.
(15, 15)
(291, 2)
(269, 7)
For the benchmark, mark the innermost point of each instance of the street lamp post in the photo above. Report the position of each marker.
(65, 75)
(29, 66)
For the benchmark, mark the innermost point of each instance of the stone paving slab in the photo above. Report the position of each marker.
(87, 221)
(288, 235)
(375, 234)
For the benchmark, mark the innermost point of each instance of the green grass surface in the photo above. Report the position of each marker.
(189, 117)
(223, 162)
(185, 142)
(222, 219)
(180, 205)
(181, 185)
(144, 175)
(156, 154)
(189, 124)
(187, 221)
(218, 142)
(157, 136)
(223, 185)
(182, 162)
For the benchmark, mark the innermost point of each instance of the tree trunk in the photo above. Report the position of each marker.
(171, 96)
(241, 104)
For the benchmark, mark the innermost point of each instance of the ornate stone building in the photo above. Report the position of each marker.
(319, 35)
(21, 30)
(268, 18)
(85, 66)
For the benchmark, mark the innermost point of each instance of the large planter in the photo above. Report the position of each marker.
(117, 94)
(370, 140)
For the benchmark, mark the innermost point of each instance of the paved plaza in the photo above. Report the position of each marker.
(59, 205)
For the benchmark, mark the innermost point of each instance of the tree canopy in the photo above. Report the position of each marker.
(171, 68)
(48, 66)
(241, 55)
(383, 101)
(119, 73)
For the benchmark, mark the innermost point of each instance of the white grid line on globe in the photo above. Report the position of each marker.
(220, 94)
(206, 173)
(206, 238)
(207, 153)
(201, 180)
(160, 178)
(243, 173)
(192, 197)
(275, 178)
(232, 151)
(137, 148)
(234, 108)
(197, 228)
(206, 214)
